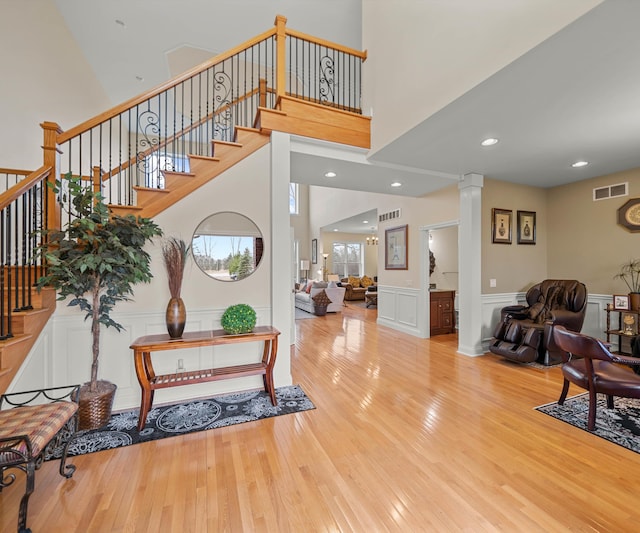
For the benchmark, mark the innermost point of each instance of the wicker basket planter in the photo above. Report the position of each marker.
(94, 408)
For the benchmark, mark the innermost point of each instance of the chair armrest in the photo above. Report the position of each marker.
(519, 312)
(625, 360)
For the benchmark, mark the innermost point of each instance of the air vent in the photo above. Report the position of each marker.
(391, 215)
(611, 191)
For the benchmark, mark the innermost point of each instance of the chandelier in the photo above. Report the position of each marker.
(373, 240)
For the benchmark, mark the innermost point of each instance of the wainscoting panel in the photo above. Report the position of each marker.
(65, 348)
(399, 308)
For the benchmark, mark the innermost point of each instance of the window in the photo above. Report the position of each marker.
(347, 259)
(156, 162)
(293, 198)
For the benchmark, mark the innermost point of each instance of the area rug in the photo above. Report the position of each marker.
(620, 425)
(198, 415)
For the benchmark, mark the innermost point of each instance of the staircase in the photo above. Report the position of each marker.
(212, 116)
(25, 328)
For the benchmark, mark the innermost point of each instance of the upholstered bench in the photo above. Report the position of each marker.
(27, 428)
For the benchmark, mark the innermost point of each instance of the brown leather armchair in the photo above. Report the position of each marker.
(588, 364)
(524, 331)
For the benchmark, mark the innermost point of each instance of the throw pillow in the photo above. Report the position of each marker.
(354, 282)
(307, 289)
(365, 281)
(321, 299)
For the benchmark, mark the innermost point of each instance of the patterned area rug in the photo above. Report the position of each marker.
(197, 415)
(620, 425)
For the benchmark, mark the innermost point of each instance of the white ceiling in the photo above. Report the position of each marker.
(576, 96)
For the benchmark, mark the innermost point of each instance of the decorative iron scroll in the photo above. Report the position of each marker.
(222, 121)
(327, 80)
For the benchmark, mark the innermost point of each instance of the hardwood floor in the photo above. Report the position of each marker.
(407, 436)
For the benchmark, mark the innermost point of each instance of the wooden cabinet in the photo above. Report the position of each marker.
(442, 312)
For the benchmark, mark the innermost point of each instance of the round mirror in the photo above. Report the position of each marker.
(227, 246)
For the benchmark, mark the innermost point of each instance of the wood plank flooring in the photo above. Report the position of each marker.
(408, 436)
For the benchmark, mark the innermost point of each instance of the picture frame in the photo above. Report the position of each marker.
(396, 248)
(526, 227)
(501, 226)
(314, 251)
(621, 302)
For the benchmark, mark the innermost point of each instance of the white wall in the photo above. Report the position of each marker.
(400, 91)
(45, 77)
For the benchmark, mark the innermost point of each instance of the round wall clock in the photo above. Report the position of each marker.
(629, 215)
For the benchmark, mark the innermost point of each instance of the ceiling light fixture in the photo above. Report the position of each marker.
(396, 184)
(579, 164)
(330, 174)
(489, 142)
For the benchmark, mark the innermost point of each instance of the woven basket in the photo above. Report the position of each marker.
(94, 409)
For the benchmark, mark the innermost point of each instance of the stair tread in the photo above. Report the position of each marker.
(204, 157)
(16, 339)
(149, 189)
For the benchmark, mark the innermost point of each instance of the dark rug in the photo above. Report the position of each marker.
(197, 415)
(620, 425)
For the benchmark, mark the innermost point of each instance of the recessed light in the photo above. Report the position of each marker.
(396, 184)
(335, 229)
(330, 174)
(365, 221)
(489, 142)
(579, 164)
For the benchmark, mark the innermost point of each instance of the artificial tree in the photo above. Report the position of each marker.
(96, 258)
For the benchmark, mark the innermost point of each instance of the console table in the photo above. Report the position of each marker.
(149, 381)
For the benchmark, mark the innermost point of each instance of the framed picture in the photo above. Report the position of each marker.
(314, 251)
(396, 248)
(526, 227)
(501, 226)
(621, 302)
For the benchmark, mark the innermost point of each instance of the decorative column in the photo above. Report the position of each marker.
(470, 261)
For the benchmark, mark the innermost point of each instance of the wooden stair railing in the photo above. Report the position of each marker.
(23, 310)
(139, 144)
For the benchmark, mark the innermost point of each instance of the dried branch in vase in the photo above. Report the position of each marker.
(174, 253)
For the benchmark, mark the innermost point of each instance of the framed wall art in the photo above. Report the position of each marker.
(526, 227)
(396, 246)
(314, 251)
(501, 226)
(621, 302)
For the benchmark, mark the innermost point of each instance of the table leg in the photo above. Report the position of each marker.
(144, 371)
(271, 361)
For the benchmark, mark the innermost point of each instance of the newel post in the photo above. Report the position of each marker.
(281, 57)
(51, 131)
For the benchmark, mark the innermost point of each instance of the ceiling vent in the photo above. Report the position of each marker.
(391, 215)
(611, 191)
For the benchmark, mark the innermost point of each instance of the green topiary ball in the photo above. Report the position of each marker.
(239, 318)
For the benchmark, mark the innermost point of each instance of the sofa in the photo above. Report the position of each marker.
(356, 287)
(303, 298)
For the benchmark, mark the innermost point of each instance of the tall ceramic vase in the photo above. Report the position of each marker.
(176, 317)
(634, 301)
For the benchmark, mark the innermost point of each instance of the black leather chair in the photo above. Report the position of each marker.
(591, 366)
(524, 331)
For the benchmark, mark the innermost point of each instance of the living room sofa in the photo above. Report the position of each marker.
(356, 287)
(304, 298)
